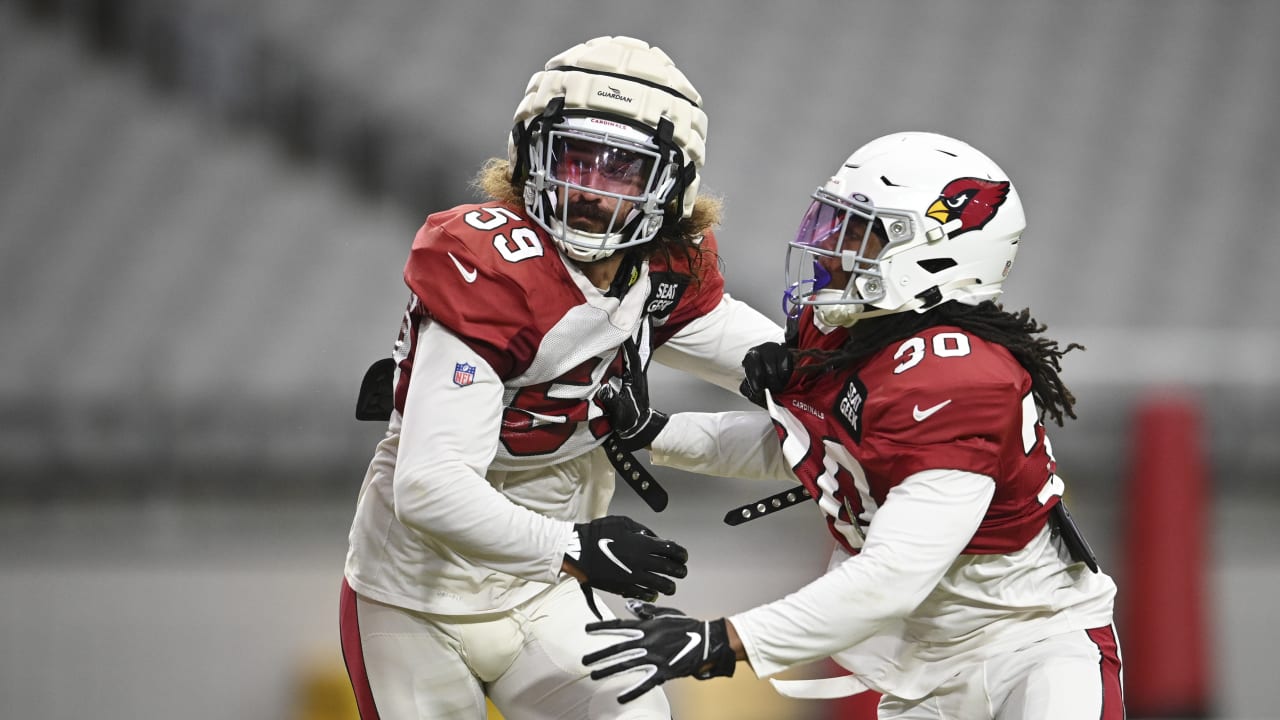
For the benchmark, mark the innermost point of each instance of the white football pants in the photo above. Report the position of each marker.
(406, 665)
(1073, 676)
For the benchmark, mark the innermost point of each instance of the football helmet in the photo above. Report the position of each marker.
(610, 118)
(909, 220)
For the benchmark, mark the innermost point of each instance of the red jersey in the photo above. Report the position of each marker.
(941, 399)
(496, 430)
(496, 280)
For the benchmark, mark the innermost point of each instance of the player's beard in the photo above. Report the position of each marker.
(593, 217)
(589, 218)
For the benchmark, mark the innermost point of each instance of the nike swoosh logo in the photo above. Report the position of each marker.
(694, 639)
(919, 414)
(604, 548)
(468, 275)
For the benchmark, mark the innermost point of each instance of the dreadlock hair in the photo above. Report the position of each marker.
(677, 238)
(1016, 332)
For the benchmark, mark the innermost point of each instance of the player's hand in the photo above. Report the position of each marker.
(664, 643)
(619, 555)
(768, 367)
(634, 422)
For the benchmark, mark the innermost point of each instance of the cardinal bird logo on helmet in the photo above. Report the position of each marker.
(973, 201)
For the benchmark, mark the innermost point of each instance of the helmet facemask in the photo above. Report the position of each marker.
(835, 261)
(598, 185)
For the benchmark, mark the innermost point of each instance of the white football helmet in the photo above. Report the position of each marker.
(910, 220)
(615, 118)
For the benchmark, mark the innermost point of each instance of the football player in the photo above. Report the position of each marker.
(484, 508)
(910, 406)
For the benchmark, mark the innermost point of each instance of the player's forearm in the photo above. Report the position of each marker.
(735, 642)
(711, 347)
(915, 537)
(479, 523)
(739, 444)
(448, 438)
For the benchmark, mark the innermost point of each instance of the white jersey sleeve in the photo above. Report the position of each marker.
(739, 444)
(448, 438)
(711, 347)
(912, 541)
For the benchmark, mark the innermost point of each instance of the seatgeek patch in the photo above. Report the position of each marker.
(665, 291)
(849, 405)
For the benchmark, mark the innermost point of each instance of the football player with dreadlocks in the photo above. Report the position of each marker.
(910, 406)
(484, 509)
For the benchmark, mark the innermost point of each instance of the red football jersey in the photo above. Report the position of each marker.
(942, 399)
(496, 280)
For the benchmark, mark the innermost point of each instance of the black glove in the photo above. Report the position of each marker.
(634, 423)
(666, 644)
(768, 366)
(621, 556)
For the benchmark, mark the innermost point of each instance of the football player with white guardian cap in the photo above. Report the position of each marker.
(910, 407)
(482, 526)
(624, 110)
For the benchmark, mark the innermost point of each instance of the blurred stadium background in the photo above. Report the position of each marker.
(205, 206)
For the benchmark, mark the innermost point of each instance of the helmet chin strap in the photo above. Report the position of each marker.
(596, 246)
(847, 314)
(581, 254)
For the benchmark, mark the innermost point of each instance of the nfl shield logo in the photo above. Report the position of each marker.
(463, 374)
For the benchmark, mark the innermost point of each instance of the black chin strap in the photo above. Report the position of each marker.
(664, 138)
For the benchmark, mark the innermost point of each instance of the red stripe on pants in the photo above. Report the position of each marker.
(353, 652)
(1109, 666)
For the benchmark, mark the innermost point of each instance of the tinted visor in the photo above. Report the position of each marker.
(829, 252)
(606, 168)
(822, 227)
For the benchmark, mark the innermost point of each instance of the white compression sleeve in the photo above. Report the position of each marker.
(917, 534)
(739, 444)
(448, 438)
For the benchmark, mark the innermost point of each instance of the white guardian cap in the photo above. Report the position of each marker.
(611, 118)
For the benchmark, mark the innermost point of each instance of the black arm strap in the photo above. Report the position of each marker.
(766, 505)
(636, 475)
(1065, 526)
